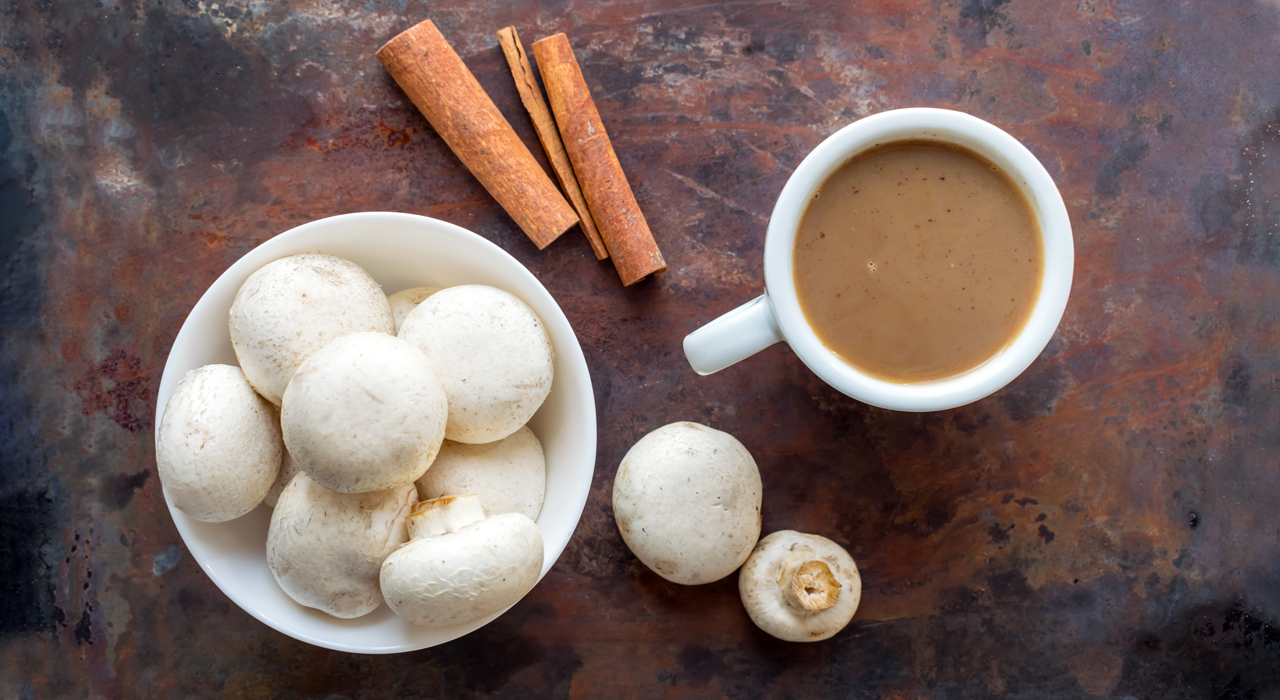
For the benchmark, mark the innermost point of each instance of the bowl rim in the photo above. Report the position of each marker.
(284, 244)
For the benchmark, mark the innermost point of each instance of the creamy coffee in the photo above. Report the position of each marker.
(917, 260)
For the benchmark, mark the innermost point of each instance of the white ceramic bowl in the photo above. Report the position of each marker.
(400, 251)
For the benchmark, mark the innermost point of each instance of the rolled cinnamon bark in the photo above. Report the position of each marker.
(430, 72)
(613, 205)
(545, 126)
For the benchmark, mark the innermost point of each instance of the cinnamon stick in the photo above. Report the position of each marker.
(545, 126)
(612, 204)
(430, 72)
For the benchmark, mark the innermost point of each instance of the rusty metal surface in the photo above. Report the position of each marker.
(1106, 526)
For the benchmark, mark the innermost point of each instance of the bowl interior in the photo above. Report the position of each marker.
(399, 251)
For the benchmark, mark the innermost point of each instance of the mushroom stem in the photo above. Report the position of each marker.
(800, 587)
(440, 515)
(813, 586)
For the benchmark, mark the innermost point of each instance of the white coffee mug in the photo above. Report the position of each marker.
(776, 316)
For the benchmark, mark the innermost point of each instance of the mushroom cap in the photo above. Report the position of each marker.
(292, 307)
(493, 355)
(288, 468)
(462, 576)
(404, 302)
(365, 413)
(687, 502)
(219, 448)
(325, 548)
(509, 476)
(765, 583)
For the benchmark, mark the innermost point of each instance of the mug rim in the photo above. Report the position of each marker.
(948, 126)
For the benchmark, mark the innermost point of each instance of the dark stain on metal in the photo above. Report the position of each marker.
(1033, 394)
(998, 533)
(1235, 388)
(1045, 534)
(84, 629)
(1227, 650)
(121, 487)
(1129, 150)
(27, 521)
(978, 18)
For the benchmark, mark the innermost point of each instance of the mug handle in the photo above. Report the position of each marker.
(733, 337)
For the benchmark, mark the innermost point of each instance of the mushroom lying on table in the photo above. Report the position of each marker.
(459, 565)
(687, 502)
(292, 307)
(799, 587)
(325, 548)
(219, 449)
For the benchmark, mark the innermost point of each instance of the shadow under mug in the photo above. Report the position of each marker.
(776, 315)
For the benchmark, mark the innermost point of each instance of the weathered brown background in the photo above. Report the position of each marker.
(1106, 526)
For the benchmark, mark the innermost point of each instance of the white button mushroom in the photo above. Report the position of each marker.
(325, 548)
(288, 468)
(687, 502)
(459, 565)
(800, 588)
(365, 413)
(509, 476)
(292, 307)
(493, 355)
(404, 302)
(219, 448)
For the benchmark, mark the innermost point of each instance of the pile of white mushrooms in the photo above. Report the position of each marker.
(389, 435)
(687, 498)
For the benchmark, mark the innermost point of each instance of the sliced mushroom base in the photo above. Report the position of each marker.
(799, 587)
